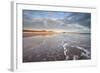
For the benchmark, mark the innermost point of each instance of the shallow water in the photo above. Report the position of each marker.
(50, 47)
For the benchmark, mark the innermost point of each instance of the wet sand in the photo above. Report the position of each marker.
(38, 47)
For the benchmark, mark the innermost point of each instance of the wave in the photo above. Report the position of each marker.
(75, 52)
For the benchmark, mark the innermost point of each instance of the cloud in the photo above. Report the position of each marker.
(69, 21)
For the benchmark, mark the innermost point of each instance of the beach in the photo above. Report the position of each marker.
(40, 47)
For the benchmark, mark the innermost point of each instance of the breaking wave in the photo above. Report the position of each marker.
(75, 52)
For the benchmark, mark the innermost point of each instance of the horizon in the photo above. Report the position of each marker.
(59, 31)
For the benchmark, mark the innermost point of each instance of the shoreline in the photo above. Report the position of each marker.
(29, 34)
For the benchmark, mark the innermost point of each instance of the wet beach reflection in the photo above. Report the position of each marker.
(56, 47)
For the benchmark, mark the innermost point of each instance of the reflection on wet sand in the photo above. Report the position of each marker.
(51, 46)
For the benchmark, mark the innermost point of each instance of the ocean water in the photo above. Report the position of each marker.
(53, 47)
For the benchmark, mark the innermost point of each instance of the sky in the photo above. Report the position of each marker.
(57, 21)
